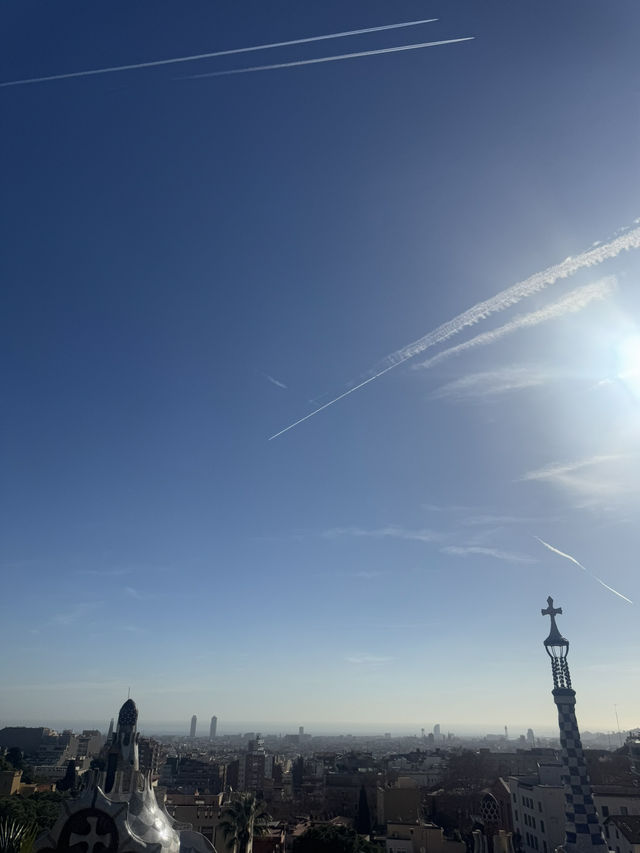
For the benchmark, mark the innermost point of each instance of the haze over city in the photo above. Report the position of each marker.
(319, 378)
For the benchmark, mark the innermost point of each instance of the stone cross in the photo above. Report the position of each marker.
(552, 612)
(94, 839)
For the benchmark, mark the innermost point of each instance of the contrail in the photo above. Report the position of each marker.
(198, 56)
(573, 560)
(275, 381)
(335, 400)
(574, 301)
(505, 299)
(326, 58)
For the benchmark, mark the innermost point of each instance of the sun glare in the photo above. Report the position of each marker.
(628, 363)
(629, 358)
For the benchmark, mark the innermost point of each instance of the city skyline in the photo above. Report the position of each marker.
(319, 381)
(276, 728)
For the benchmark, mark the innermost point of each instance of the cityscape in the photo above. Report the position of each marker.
(201, 791)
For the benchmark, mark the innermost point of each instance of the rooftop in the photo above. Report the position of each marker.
(616, 791)
(629, 826)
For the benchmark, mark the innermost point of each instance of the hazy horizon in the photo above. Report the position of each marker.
(275, 728)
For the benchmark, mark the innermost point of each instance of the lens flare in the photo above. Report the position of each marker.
(628, 366)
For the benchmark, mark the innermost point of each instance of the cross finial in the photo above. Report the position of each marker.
(551, 610)
(555, 638)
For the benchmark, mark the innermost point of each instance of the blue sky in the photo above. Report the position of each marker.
(192, 265)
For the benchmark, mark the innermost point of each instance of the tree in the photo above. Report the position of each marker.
(363, 820)
(241, 819)
(15, 757)
(38, 810)
(328, 838)
(15, 761)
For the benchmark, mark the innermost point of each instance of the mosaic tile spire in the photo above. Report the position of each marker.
(583, 831)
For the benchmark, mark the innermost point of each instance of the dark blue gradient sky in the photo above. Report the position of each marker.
(170, 244)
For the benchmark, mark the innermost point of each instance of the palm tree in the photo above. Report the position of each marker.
(241, 819)
(16, 837)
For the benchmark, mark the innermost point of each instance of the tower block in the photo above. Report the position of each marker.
(583, 832)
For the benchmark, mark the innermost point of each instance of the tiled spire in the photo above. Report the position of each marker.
(583, 832)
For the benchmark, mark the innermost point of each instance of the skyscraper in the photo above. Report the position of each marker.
(583, 832)
(213, 727)
(194, 723)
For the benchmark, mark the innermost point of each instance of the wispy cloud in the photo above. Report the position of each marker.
(104, 573)
(368, 575)
(496, 553)
(196, 57)
(275, 382)
(383, 532)
(598, 480)
(481, 310)
(74, 614)
(493, 382)
(496, 519)
(579, 564)
(572, 302)
(364, 659)
(132, 592)
(448, 508)
(474, 515)
(557, 471)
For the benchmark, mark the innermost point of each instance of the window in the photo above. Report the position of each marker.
(541, 825)
(539, 806)
(544, 847)
(605, 811)
(624, 810)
